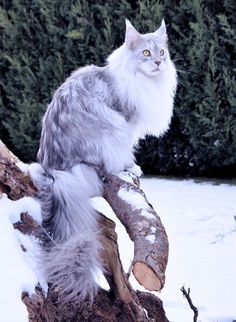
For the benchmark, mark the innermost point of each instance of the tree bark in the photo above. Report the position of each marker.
(143, 226)
(121, 303)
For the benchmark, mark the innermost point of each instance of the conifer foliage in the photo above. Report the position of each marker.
(202, 138)
(43, 41)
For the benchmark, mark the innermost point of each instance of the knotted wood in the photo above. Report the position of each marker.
(122, 303)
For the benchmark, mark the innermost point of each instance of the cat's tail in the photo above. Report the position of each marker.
(71, 263)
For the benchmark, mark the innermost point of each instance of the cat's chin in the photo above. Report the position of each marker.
(153, 73)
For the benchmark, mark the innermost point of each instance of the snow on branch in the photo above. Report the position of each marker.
(150, 252)
(144, 227)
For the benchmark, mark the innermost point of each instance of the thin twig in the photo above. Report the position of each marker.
(187, 295)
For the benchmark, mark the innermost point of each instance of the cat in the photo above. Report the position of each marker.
(92, 123)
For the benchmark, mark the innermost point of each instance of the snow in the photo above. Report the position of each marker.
(150, 238)
(136, 170)
(100, 279)
(123, 238)
(125, 176)
(199, 220)
(13, 209)
(18, 269)
(132, 197)
(153, 230)
(136, 201)
(148, 215)
(23, 166)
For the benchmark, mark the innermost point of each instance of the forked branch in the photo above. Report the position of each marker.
(186, 294)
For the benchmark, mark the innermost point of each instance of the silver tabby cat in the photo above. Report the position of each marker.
(94, 120)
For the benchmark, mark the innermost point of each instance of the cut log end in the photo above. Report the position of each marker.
(146, 277)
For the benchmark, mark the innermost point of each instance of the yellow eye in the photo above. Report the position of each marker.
(146, 53)
(162, 52)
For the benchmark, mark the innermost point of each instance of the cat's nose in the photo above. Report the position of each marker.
(158, 63)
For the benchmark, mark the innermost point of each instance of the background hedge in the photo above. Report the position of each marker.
(42, 41)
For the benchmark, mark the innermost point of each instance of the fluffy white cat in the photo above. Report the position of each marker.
(95, 118)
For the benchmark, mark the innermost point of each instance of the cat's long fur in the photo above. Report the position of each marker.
(92, 123)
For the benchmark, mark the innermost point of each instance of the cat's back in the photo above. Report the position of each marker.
(82, 107)
(86, 83)
(84, 92)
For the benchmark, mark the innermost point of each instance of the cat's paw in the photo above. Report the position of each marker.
(136, 170)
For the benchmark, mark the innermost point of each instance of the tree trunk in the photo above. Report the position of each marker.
(121, 303)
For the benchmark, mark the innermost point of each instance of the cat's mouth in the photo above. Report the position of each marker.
(157, 69)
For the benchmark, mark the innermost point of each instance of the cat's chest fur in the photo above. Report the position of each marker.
(150, 102)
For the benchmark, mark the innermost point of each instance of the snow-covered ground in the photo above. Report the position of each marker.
(199, 220)
(18, 270)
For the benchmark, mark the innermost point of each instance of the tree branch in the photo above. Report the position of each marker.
(122, 303)
(143, 226)
(186, 294)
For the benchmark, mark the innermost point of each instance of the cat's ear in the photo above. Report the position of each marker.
(132, 36)
(161, 32)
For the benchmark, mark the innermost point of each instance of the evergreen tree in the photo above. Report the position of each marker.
(43, 41)
(202, 138)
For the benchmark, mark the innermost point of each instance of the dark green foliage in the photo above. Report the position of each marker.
(202, 138)
(43, 41)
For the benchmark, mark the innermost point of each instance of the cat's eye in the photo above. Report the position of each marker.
(147, 52)
(162, 52)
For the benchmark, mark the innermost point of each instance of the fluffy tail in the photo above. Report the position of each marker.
(72, 261)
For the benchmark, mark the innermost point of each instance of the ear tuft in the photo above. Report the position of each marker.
(161, 32)
(132, 36)
(163, 26)
(127, 23)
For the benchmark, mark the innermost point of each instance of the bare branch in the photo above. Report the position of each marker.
(144, 227)
(186, 294)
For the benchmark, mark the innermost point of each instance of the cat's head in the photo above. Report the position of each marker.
(148, 53)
